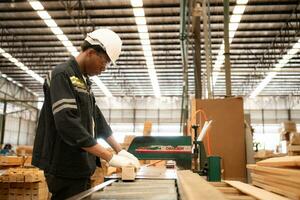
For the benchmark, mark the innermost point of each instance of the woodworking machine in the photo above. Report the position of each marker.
(152, 183)
(177, 148)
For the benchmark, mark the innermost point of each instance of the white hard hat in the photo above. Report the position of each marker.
(108, 40)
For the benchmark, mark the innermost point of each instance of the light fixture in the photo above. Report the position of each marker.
(239, 9)
(50, 23)
(136, 3)
(36, 5)
(62, 37)
(138, 12)
(241, 2)
(6, 55)
(140, 20)
(142, 28)
(43, 14)
(277, 67)
(235, 19)
(56, 30)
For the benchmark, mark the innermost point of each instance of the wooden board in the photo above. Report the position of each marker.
(276, 190)
(282, 186)
(254, 191)
(287, 161)
(227, 134)
(291, 182)
(193, 187)
(277, 171)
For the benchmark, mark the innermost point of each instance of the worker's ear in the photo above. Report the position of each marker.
(89, 52)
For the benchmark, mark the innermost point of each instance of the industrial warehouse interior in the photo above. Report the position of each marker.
(196, 100)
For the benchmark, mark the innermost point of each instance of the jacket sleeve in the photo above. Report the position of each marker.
(102, 129)
(66, 113)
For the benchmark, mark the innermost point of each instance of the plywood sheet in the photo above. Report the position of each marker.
(254, 191)
(227, 134)
(287, 161)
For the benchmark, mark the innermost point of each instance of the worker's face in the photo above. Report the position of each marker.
(96, 62)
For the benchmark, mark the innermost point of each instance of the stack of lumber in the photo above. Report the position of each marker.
(294, 144)
(147, 128)
(287, 128)
(11, 161)
(22, 183)
(24, 150)
(236, 190)
(279, 175)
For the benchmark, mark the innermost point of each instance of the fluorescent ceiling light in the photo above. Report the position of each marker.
(50, 23)
(144, 36)
(235, 18)
(146, 47)
(6, 55)
(9, 79)
(72, 49)
(136, 3)
(239, 9)
(75, 53)
(145, 42)
(43, 14)
(1, 50)
(56, 30)
(138, 12)
(140, 20)
(13, 60)
(148, 54)
(233, 26)
(36, 5)
(67, 43)
(142, 28)
(4, 75)
(241, 1)
(62, 37)
(277, 67)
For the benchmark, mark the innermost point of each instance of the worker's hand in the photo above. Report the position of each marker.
(120, 161)
(126, 154)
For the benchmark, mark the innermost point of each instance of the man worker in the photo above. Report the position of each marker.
(70, 122)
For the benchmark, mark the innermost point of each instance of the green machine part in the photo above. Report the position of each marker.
(156, 143)
(214, 168)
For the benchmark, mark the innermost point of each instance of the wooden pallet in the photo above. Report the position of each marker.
(278, 175)
(23, 183)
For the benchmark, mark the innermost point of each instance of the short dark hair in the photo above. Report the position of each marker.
(86, 45)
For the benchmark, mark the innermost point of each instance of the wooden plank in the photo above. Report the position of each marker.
(254, 191)
(239, 197)
(219, 184)
(128, 173)
(278, 171)
(277, 179)
(276, 190)
(281, 186)
(228, 190)
(194, 187)
(287, 161)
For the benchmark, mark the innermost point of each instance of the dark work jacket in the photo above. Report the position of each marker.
(69, 120)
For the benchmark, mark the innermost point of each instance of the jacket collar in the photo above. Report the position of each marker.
(74, 65)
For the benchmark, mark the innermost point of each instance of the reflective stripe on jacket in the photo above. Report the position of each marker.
(69, 120)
